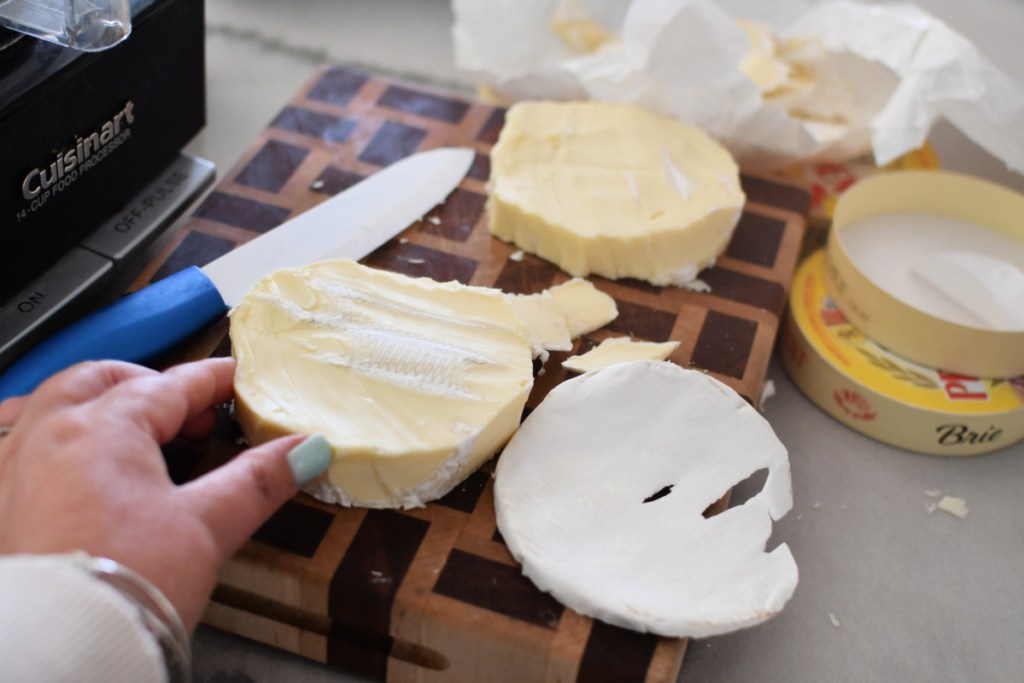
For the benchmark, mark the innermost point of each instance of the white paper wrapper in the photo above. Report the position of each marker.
(880, 76)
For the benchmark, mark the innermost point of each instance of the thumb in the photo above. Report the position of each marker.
(236, 498)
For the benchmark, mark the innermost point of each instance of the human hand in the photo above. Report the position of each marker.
(82, 469)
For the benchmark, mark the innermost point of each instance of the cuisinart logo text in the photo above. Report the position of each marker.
(69, 164)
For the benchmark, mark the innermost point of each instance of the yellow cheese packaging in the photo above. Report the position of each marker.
(885, 396)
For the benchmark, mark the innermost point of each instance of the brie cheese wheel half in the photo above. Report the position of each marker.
(599, 495)
(612, 189)
(415, 383)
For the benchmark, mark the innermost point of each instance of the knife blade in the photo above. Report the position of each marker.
(151, 320)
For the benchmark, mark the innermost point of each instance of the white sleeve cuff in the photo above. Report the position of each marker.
(62, 624)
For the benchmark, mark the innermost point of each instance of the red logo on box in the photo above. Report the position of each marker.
(962, 388)
(830, 315)
(854, 405)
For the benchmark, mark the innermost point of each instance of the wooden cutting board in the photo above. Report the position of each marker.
(433, 593)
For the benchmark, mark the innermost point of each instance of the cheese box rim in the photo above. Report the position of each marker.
(906, 329)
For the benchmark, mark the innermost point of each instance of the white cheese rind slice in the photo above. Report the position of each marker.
(612, 189)
(619, 350)
(571, 487)
(415, 383)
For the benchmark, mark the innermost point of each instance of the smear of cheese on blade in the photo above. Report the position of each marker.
(600, 495)
(619, 350)
(612, 189)
(415, 383)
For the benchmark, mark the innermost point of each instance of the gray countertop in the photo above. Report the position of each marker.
(888, 590)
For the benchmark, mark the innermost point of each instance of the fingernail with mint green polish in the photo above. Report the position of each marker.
(310, 459)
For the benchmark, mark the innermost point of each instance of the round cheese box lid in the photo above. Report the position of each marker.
(930, 265)
(883, 395)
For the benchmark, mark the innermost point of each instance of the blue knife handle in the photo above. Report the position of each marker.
(136, 327)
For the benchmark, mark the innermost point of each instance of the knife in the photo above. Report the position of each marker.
(154, 319)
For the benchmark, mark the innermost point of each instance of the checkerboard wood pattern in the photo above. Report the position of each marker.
(433, 593)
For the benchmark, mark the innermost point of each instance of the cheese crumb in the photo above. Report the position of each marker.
(834, 620)
(697, 285)
(954, 506)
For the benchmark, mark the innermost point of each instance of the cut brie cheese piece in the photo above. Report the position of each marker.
(612, 189)
(585, 307)
(544, 320)
(415, 383)
(600, 495)
(619, 350)
(557, 315)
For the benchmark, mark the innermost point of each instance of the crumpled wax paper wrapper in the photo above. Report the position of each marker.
(777, 83)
